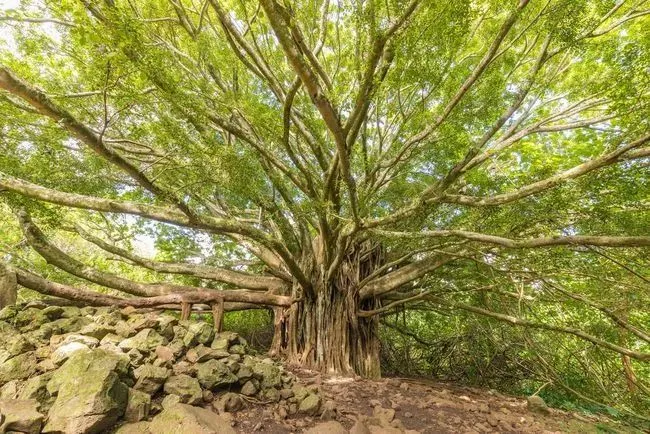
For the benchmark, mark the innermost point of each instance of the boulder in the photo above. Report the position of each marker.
(63, 353)
(12, 343)
(229, 403)
(201, 353)
(11, 389)
(88, 341)
(186, 387)
(181, 418)
(198, 332)
(145, 340)
(30, 319)
(331, 427)
(170, 400)
(53, 312)
(20, 415)
(244, 373)
(18, 368)
(90, 395)
(309, 405)
(98, 331)
(268, 374)
(249, 388)
(137, 406)
(134, 428)
(150, 378)
(537, 404)
(36, 389)
(214, 374)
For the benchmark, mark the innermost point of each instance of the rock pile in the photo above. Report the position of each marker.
(92, 370)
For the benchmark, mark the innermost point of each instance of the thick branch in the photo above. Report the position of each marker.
(239, 279)
(37, 283)
(582, 240)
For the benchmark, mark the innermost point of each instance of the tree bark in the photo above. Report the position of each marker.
(8, 286)
(325, 333)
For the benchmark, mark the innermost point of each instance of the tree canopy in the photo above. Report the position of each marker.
(489, 157)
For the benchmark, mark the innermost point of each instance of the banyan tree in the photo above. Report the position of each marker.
(338, 161)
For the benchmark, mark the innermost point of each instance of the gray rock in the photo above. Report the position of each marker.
(137, 406)
(18, 368)
(229, 403)
(63, 352)
(20, 415)
(198, 332)
(53, 312)
(244, 373)
(271, 394)
(134, 428)
(309, 405)
(170, 400)
(268, 374)
(88, 341)
(150, 378)
(90, 395)
(186, 387)
(537, 404)
(36, 389)
(201, 353)
(331, 427)
(249, 388)
(214, 374)
(11, 389)
(145, 341)
(98, 331)
(12, 343)
(187, 419)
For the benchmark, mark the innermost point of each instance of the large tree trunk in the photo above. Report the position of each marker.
(325, 333)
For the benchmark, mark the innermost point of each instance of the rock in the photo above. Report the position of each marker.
(181, 418)
(150, 378)
(30, 319)
(136, 357)
(53, 312)
(64, 352)
(186, 387)
(268, 374)
(146, 340)
(331, 427)
(8, 312)
(90, 395)
(36, 389)
(110, 339)
(134, 428)
(137, 406)
(198, 332)
(270, 394)
(229, 402)
(286, 393)
(98, 331)
(359, 428)
(300, 392)
(214, 374)
(201, 353)
(11, 389)
(244, 373)
(70, 312)
(184, 367)
(237, 349)
(170, 400)
(249, 388)
(164, 353)
(208, 396)
(18, 368)
(536, 404)
(88, 341)
(12, 343)
(223, 340)
(385, 415)
(125, 330)
(309, 405)
(165, 325)
(328, 411)
(20, 415)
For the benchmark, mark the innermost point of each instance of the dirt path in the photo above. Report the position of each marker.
(419, 406)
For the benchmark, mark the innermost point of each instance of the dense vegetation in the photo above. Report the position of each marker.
(466, 182)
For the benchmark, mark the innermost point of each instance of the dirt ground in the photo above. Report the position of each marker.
(417, 406)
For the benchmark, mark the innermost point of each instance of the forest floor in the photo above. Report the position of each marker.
(419, 406)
